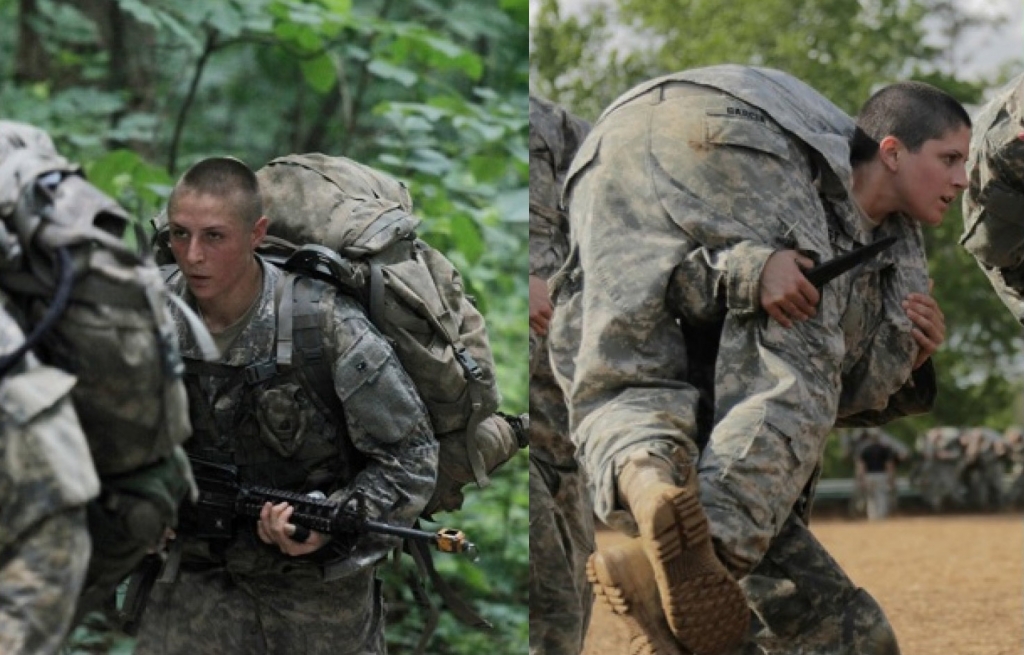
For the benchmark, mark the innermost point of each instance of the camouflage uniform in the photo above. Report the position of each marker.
(684, 188)
(46, 478)
(561, 516)
(994, 199)
(242, 596)
(982, 468)
(938, 478)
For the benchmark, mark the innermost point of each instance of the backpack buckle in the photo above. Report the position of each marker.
(256, 373)
(469, 364)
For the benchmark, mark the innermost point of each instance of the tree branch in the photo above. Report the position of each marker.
(179, 125)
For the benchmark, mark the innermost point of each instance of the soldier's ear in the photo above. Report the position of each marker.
(259, 231)
(889, 150)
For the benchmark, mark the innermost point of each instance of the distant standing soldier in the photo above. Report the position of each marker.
(939, 475)
(876, 475)
(1013, 437)
(561, 517)
(982, 468)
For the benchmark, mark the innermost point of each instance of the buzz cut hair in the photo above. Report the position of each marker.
(225, 177)
(913, 112)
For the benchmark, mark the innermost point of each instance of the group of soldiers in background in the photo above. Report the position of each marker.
(968, 468)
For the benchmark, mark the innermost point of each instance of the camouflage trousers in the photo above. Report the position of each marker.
(561, 520)
(804, 603)
(561, 540)
(40, 577)
(264, 605)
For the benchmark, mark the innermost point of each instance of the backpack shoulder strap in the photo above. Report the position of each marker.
(300, 342)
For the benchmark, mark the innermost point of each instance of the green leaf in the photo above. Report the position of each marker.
(140, 12)
(513, 205)
(320, 73)
(467, 237)
(387, 71)
(338, 7)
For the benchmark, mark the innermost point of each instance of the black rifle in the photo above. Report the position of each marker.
(222, 499)
(825, 272)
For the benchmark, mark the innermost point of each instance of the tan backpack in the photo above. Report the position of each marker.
(362, 225)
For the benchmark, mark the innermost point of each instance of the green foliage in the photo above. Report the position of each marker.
(434, 91)
(496, 519)
(846, 49)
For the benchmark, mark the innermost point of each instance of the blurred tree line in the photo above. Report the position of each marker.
(586, 57)
(432, 91)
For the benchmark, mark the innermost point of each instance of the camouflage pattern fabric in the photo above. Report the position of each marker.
(683, 189)
(261, 604)
(386, 452)
(804, 603)
(46, 478)
(561, 539)
(938, 476)
(561, 517)
(993, 204)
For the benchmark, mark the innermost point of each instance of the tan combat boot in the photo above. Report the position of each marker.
(703, 604)
(624, 581)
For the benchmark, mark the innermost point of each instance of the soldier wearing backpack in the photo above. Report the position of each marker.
(46, 476)
(264, 586)
(91, 472)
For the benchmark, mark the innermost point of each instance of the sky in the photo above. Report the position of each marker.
(1005, 43)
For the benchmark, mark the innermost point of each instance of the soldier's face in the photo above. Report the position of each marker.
(929, 180)
(212, 245)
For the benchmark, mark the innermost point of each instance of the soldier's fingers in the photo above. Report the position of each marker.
(810, 293)
(776, 313)
(261, 532)
(803, 302)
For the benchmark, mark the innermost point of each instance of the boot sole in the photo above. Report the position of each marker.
(704, 606)
(620, 589)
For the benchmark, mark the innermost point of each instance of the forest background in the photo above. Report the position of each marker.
(431, 91)
(583, 54)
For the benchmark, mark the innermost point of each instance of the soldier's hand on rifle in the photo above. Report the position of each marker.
(929, 323)
(273, 528)
(786, 294)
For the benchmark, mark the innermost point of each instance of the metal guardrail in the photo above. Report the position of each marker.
(843, 489)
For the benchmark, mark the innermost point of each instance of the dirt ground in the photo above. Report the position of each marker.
(952, 584)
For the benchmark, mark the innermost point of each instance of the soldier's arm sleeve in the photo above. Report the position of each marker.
(46, 479)
(388, 424)
(917, 396)
(993, 203)
(42, 571)
(1009, 286)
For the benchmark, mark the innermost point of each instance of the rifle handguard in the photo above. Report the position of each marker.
(331, 517)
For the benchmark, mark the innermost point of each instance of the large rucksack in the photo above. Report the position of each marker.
(95, 308)
(358, 232)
